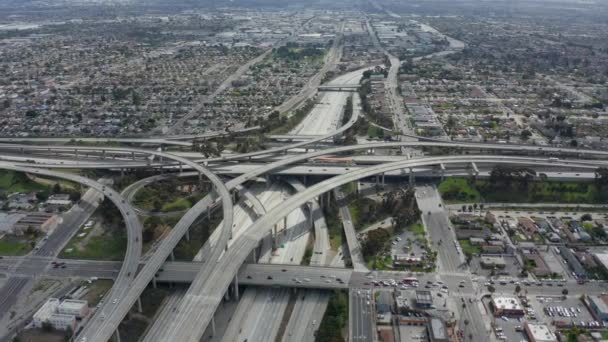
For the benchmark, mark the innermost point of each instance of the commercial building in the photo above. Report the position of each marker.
(424, 299)
(507, 306)
(437, 331)
(407, 260)
(539, 333)
(599, 306)
(492, 262)
(602, 259)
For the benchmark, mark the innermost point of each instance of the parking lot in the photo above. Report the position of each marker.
(551, 309)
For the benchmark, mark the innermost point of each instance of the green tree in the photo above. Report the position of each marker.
(56, 188)
(47, 326)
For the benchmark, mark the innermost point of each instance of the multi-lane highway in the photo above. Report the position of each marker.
(196, 311)
(289, 160)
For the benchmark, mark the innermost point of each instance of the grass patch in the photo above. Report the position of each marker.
(334, 225)
(285, 122)
(177, 205)
(374, 132)
(335, 318)
(417, 229)
(14, 246)
(12, 181)
(349, 188)
(543, 191)
(199, 233)
(467, 248)
(166, 196)
(365, 212)
(111, 245)
(458, 189)
(463, 190)
(380, 263)
(97, 291)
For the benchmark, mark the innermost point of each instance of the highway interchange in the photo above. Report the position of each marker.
(228, 250)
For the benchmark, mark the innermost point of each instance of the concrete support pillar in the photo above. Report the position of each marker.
(383, 179)
(187, 235)
(254, 255)
(412, 177)
(274, 238)
(133, 155)
(284, 223)
(208, 213)
(172, 255)
(227, 295)
(117, 335)
(139, 308)
(154, 282)
(311, 220)
(376, 177)
(76, 154)
(234, 196)
(236, 287)
(304, 179)
(200, 179)
(122, 172)
(180, 168)
(103, 154)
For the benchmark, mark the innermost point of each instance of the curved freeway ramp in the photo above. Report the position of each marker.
(134, 245)
(101, 326)
(201, 300)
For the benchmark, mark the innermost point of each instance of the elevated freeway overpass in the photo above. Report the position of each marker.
(200, 302)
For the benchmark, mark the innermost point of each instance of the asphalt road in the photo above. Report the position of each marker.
(354, 247)
(442, 237)
(361, 322)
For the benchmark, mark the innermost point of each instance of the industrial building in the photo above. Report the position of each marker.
(38, 221)
(60, 315)
(78, 308)
(48, 314)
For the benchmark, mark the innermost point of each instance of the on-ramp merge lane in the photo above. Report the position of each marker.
(196, 311)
